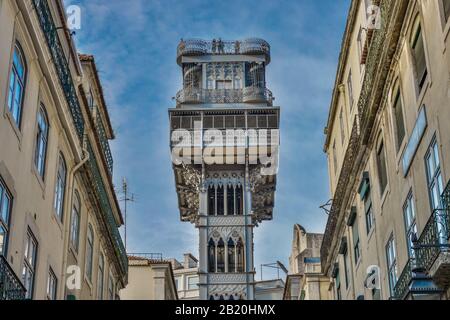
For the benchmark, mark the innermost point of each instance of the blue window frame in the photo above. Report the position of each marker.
(16, 86)
(41, 141)
(5, 212)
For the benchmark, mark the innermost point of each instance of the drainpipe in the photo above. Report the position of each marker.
(68, 205)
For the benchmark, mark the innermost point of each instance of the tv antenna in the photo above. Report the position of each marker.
(126, 198)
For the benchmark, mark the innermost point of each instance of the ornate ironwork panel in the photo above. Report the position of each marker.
(402, 287)
(104, 143)
(11, 288)
(61, 64)
(102, 197)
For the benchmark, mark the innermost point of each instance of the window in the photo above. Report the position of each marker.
(75, 222)
(41, 142)
(5, 212)
(211, 201)
(410, 223)
(237, 83)
(240, 256)
(223, 84)
(111, 287)
(211, 256)
(239, 201)
(391, 264)
(29, 265)
(360, 44)
(346, 273)
(230, 200)
(338, 286)
(435, 184)
(60, 187)
(356, 241)
(221, 256)
(342, 125)
(382, 170)
(100, 276)
(220, 201)
(418, 48)
(350, 89)
(17, 85)
(231, 256)
(52, 285)
(89, 252)
(399, 121)
(192, 283)
(370, 219)
(177, 283)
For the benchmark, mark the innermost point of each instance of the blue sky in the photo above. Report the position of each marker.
(135, 42)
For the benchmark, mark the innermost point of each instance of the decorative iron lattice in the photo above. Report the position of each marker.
(62, 66)
(104, 143)
(197, 96)
(102, 197)
(402, 286)
(11, 288)
(253, 46)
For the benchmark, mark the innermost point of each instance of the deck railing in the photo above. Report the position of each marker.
(104, 143)
(11, 288)
(198, 47)
(246, 95)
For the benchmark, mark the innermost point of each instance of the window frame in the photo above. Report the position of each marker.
(11, 96)
(30, 263)
(420, 80)
(410, 219)
(52, 286)
(382, 167)
(60, 188)
(41, 142)
(90, 242)
(397, 102)
(5, 224)
(75, 209)
(351, 98)
(434, 179)
(392, 267)
(101, 276)
(188, 285)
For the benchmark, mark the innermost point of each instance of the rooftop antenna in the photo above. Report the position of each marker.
(126, 198)
(327, 207)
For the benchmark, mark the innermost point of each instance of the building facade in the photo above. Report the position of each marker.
(186, 277)
(388, 154)
(305, 280)
(59, 214)
(219, 130)
(149, 279)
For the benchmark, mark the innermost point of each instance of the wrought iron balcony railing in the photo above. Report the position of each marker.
(402, 286)
(434, 238)
(11, 288)
(246, 95)
(198, 47)
(99, 188)
(148, 256)
(60, 61)
(104, 143)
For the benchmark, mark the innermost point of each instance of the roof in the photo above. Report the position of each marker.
(88, 58)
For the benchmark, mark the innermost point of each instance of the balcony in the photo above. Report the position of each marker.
(434, 252)
(98, 187)
(11, 288)
(246, 95)
(104, 143)
(401, 289)
(61, 65)
(198, 47)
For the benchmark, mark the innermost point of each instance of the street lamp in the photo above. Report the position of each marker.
(422, 286)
